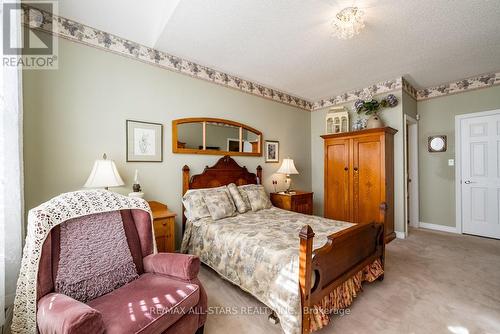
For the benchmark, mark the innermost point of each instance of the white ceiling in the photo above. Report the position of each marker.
(288, 44)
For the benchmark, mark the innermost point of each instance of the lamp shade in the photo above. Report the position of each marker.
(104, 174)
(287, 167)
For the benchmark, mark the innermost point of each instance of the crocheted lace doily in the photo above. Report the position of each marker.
(40, 221)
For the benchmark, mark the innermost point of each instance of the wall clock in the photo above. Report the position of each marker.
(437, 144)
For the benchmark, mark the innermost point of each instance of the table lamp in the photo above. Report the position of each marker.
(288, 168)
(104, 175)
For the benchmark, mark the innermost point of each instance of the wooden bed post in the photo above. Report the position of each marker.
(305, 260)
(259, 173)
(185, 188)
(185, 179)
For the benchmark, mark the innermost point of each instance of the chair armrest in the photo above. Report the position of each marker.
(60, 314)
(182, 266)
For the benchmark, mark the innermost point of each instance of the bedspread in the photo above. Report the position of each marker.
(258, 251)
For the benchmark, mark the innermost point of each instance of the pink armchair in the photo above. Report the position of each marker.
(167, 297)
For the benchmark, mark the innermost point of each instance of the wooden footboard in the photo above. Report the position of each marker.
(346, 253)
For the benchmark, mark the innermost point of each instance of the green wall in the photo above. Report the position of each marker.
(76, 113)
(436, 178)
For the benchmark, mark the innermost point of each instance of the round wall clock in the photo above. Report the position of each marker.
(437, 144)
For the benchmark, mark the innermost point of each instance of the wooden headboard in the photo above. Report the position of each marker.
(224, 172)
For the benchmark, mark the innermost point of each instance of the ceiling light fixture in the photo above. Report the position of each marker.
(348, 22)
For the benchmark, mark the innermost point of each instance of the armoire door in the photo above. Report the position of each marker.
(337, 171)
(367, 188)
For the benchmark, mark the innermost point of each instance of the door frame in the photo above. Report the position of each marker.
(412, 144)
(458, 162)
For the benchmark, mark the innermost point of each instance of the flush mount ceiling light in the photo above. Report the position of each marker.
(348, 22)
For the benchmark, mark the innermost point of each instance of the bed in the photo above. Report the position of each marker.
(302, 267)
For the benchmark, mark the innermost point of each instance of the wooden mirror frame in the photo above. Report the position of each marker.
(204, 121)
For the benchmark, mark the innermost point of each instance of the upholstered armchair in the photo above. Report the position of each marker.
(162, 295)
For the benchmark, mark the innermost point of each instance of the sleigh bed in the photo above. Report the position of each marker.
(301, 274)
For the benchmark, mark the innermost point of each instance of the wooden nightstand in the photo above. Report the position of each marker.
(300, 201)
(164, 226)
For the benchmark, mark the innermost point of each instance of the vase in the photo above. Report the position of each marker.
(374, 122)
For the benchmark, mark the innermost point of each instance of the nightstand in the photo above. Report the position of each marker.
(298, 201)
(164, 226)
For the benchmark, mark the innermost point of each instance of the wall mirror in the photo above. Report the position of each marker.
(215, 136)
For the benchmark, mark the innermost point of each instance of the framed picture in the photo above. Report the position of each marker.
(144, 141)
(272, 151)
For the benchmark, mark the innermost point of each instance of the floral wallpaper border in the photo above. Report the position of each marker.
(81, 33)
(379, 88)
(407, 87)
(481, 81)
(477, 82)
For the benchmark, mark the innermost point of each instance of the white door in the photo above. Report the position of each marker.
(480, 152)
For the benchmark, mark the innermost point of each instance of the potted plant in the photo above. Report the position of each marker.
(372, 108)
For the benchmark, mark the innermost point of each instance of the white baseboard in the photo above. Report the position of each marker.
(436, 227)
(400, 235)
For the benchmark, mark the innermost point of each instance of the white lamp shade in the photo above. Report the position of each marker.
(287, 167)
(104, 174)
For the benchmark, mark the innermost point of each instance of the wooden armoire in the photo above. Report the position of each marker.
(359, 177)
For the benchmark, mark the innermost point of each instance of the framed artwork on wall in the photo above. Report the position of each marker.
(272, 151)
(144, 141)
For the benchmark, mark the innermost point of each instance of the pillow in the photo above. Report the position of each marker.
(241, 205)
(219, 204)
(224, 189)
(244, 195)
(195, 205)
(258, 198)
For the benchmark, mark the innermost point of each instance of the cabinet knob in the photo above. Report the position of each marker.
(346, 169)
(355, 169)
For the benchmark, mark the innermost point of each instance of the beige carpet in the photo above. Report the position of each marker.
(434, 283)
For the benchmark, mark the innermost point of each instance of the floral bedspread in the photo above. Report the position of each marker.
(258, 251)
